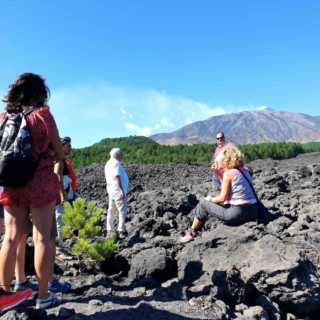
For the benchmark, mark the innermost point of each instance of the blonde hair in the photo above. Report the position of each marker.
(231, 157)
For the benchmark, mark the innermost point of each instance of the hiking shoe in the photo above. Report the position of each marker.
(122, 234)
(190, 235)
(51, 301)
(56, 286)
(29, 284)
(9, 300)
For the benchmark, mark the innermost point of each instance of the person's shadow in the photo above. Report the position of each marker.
(193, 271)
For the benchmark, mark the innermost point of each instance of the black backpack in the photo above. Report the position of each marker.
(16, 164)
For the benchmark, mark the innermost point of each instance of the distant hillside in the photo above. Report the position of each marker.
(133, 149)
(144, 150)
(247, 127)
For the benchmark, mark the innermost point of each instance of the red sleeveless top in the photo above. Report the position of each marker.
(44, 186)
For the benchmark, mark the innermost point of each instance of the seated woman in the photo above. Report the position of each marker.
(236, 202)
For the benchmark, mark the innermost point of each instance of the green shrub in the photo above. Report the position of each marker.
(81, 224)
(311, 147)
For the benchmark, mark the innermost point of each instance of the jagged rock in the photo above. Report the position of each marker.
(264, 270)
(271, 307)
(220, 311)
(239, 261)
(153, 263)
(65, 313)
(255, 313)
(21, 313)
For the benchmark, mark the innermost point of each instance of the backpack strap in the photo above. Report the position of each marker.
(3, 124)
(28, 111)
(5, 119)
(24, 114)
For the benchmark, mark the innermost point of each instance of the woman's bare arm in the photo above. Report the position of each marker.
(225, 188)
(57, 146)
(58, 170)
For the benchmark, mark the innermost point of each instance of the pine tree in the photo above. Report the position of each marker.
(82, 224)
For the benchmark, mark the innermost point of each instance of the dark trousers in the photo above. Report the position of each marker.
(229, 214)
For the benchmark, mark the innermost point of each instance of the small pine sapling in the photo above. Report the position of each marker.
(81, 223)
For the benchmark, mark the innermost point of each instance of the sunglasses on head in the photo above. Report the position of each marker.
(66, 140)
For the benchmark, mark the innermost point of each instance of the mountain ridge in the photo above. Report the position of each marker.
(245, 127)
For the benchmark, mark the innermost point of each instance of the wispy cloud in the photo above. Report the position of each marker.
(137, 130)
(91, 112)
(125, 113)
(165, 122)
(131, 126)
(262, 108)
(202, 112)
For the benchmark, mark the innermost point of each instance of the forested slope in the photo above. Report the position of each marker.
(144, 150)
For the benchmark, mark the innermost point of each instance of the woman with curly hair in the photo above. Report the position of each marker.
(236, 202)
(37, 198)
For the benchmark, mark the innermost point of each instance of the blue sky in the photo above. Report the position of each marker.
(139, 67)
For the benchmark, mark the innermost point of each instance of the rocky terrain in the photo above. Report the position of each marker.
(265, 270)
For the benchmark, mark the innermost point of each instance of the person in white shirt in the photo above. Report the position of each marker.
(117, 188)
